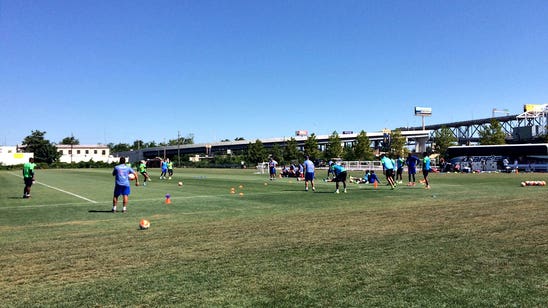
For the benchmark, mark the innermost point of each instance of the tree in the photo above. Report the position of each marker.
(189, 139)
(311, 147)
(290, 151)
(277, 152)
(70, 141)
(362, 148)
(334, 146)
(44, 151)
(397, 143)
(139, 144)
(120, 147)
(492, 134)
(348, 153)
(256, 152)
(239, 139)
(443, 139)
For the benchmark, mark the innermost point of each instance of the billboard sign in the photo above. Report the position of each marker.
(534, 107)
(423, 111)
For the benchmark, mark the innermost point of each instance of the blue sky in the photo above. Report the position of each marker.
(118, 71)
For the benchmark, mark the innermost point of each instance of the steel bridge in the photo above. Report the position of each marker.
(518, 128)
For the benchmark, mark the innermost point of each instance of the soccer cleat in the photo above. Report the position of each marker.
(306, 189)
(337, 191)
(345, 190)
(313, 188)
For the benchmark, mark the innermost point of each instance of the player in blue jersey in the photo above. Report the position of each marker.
(272, 168)
(121, 183)
(308, 174)
(425, 169)
(163, 165)
(388, 166)
(411, 163)
(373, 178)
(340, 176)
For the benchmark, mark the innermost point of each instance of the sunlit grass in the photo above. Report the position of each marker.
(472, 240)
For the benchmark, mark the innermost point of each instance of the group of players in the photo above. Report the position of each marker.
(393, 169)
(122, 173)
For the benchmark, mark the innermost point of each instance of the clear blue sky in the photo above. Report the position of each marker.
(117, 71)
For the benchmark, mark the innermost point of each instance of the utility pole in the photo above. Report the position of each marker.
(178, 148)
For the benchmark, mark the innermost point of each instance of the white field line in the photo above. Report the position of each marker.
(59, 189)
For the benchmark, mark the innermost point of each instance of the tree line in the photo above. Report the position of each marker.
(394, 144)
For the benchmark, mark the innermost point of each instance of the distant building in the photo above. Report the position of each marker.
(78, 153)
(11, 155)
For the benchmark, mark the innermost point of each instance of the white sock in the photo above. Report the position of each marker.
(114, 208)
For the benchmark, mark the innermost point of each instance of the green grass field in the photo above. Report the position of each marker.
(472, 240)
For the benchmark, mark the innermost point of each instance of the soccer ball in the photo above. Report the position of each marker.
(131, 176)
(144, 224)
(523, 184)
(180, 184)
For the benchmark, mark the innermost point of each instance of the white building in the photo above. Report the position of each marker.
(78, 153)
(10, 156)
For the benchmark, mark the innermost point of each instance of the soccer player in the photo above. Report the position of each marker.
(164, 169)
(412, 162)
(373, 178)
(400, 162)
(121, 183)
(426, 169)
(169, 168)
(308, 174)
(388, 166)
(340, 176)
(143, 171)
(28, 177)
(272, 168)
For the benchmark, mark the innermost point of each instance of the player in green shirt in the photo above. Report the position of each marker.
(169, 168)
(143, 171)
(28, 176)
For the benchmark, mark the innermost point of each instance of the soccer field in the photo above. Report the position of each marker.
(472, 240)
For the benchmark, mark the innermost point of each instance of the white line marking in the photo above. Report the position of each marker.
(59, 189)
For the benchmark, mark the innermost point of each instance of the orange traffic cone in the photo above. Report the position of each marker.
(375, 184)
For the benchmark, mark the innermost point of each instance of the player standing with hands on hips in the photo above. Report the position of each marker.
(121, 183)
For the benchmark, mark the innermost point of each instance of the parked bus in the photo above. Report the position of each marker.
(504, 157)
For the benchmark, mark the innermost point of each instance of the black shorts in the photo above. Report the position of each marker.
(341, 177)
(400, 171)
(425, 173)
(389, 173)
(28, 182)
